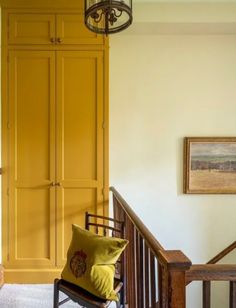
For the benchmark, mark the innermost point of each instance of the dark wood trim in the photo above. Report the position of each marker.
(223, 253)
(232, 294)
(174, 264)
(146, 270)
(153, 244)
(206, 294)
(208, 272)
(174, 260)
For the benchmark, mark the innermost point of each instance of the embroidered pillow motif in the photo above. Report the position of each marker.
(91, 262)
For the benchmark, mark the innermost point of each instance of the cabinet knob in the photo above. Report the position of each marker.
(59, 40)
(53, 184)
(58, 184)
(52, 40)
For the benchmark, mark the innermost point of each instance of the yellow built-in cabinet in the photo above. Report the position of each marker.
(36, 28)
(54, 137)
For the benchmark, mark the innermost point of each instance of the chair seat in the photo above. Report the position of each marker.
(82, 297)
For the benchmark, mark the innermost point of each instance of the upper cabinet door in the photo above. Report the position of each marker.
(31, 28)
(72, 30)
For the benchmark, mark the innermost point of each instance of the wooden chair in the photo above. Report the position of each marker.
(104, 226)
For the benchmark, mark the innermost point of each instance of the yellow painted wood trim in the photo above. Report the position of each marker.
(106, 129)
(65, 4)
(43, 10)
(56, 21)
(5, 140)
(34, 21)
(31, 275)
(1, 276)
(81, 47)
(39, 275)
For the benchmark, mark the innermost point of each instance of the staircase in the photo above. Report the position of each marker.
(157, 278)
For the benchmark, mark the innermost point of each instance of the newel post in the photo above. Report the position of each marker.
(172, 290)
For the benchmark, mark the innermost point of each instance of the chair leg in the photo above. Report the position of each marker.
(56, 294)
(119, 303)
(122, 298)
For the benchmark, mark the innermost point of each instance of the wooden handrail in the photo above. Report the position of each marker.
(212, 272)
(213, 261)
(143, 230)
(208, 272)
(223, 253)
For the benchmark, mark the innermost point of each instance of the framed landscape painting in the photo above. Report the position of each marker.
(210, 165)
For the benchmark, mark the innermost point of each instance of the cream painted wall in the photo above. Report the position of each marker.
(163, 88)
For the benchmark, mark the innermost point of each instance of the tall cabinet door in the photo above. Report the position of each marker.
(31, 210)
(79, 141)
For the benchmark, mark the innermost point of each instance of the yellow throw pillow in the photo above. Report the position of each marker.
(91, 262)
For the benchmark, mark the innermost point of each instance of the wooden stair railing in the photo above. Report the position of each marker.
(213, 272)
(157, 278)
(154, 277)
(223, 253)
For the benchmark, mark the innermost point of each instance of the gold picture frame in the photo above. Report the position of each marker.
(210, 165)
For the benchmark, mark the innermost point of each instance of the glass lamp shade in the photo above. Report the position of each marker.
(108, 16)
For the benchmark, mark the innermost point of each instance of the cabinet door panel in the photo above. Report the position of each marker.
(77, 201)
(79, 140)
(32, 207)
(31, 28)
(72, 30)
(32, 159)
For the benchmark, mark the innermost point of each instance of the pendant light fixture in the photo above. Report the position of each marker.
(108, 16)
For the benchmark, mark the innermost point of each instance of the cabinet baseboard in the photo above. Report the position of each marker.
(1, 276)
(31, 275)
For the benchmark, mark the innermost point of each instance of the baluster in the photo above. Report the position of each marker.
(153, 280)
(147, 280)
(131, 293)
(141, 279)
(206, 294)
(86, 221)
(124, 262)
(104, 231)
(139, 298)
(160, 284)
(115, 208)
(232, 296)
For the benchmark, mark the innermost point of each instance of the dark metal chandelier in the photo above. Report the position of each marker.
(108, 16)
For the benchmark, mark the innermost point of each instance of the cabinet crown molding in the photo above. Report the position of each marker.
(43, 4)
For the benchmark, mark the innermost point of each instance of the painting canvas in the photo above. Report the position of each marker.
(210, 165)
